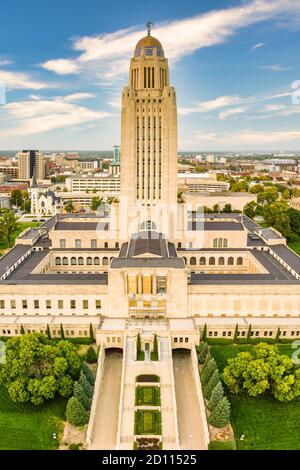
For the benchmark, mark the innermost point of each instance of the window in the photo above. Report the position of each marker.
(181, 340)
(62, 244)
(221, 261)
(230, 261)
(96, 261)
(186, 340)
(24, 304)
(85, 304)
(58, 261)
(89, 261)
(36, 304)
(117, 245)
(65, 261)
(148, 225)
(220, 243)
(161, 284)
(78, 243)
(60, 304)
(80, 261)
(105, 261)
(193, 261)
(93, 243)
(2, 304)
(98, 304)
(73, 304)
(105, 245)
(239, 261)
(12, 304)
(73, 261)
(212, 261)
(202, 261)
(179, 246)
(175, 340)
(48, 304)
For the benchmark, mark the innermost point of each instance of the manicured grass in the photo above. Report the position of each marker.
(26, 427)
(147, 396)
(222, 445)
(147, 422)
(266, 423)
(4, 245)
(294, 244)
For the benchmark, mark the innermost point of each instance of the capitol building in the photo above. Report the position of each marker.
(150, 265)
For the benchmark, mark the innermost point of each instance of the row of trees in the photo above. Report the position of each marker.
(79, 405)
(217, 403)
(263, 369)
(20, 200)
(94, 206)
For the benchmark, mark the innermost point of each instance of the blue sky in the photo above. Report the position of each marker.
(234, 63)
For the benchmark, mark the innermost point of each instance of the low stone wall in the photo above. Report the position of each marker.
(199, 392)
(99, 375)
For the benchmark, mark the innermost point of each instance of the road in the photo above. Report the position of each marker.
(191, 436)
(107, 411)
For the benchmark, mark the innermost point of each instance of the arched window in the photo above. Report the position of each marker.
(239, 261)
(89, 261)
(58, 261)
(65, 261)
(148, 225)
(220, 243)
(96, 261)
(221, 261)
(230, 261)
(212, 261)
(80, 261)
(179, 246)
(202, 261)
(193, 261)
(73, 261)
(105, 245)
(117, 245)
(105, 261)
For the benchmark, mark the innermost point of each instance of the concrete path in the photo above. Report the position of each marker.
(191, 436)
(106, 420)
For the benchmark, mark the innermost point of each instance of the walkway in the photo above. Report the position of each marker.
(106, 421)
(191, 436)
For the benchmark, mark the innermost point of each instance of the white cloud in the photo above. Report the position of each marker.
(274, 107)
(275, 68)
(109, 52)
(42, 115)
(232, 112)
(6, 62)
(211, 105)
(18, 81)
(251, 138)
(257, 46)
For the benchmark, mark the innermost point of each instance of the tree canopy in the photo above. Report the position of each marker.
(37, 369)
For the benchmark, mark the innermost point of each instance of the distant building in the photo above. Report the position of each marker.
(114, 167)
(28, 160)
(105, 184)
(43, 202)
(201, 183)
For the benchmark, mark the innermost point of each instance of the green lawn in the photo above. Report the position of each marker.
(4, 245)
(295, 244)
(147, 422)
(266, 422)
(26, 427)
(147, 396)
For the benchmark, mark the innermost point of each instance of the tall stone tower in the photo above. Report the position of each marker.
(149, 129)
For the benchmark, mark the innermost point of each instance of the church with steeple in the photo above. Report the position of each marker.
(43, 202)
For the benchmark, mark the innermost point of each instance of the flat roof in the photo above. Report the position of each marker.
(79, 226)
(12, 256)
(289, 256)
(215, 226)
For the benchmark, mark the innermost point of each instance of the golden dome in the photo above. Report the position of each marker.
(148, 42)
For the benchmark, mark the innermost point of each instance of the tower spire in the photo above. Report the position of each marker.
(149, 27)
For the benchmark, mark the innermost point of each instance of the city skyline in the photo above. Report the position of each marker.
(232, 63)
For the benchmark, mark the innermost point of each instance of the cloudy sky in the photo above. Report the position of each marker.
(234, 63)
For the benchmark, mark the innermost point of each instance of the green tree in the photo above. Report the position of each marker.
(294, 216)
(62, 333)
(69, 207)
(268, 196)
(75, 412)
(92, 338)
(202, 351)
(87, 387)
(208, 371)
(272, 211)
(227, 209)
(282, 225)
(16, 198)
(204, 333)
(257, 188)
(277, 334)
(215, 378)
(250, 209)
(88, 373)
(236, 333)
(22, 331)
(96, 203)
(81, 396)
(155, 345)
(8, 224)
(91, 355)
(220, 415)
(216, 396)
(48, 332)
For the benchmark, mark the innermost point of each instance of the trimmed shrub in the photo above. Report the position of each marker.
(204, 333)
(215, 378)
(202, 350)
(207, 359)
(82, 397)
(48, 333)
(62, 333)
(92, 333)
(216, 396)
(236, 335)
(91, 355)
(75, 412)
(22, 331)
(88, 373)
(249, 336)
(88, 389)
(222, 445)
(220, 415)
(208, 371)
(277, 335)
